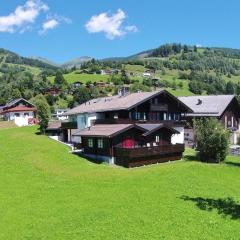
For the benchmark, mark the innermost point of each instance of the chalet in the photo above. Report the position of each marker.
(20, 111)
(77, 84)
(100, 84)
(223, 107)
(59, 113)
(129, 129)
(53, 91)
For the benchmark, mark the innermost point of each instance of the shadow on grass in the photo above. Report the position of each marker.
(189, 157)
(226, 207)
(234, 164)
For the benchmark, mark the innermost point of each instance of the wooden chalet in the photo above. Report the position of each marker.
(130, 145)
(129, 129)
(225, 108)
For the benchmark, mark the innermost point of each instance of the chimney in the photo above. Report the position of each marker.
(123, 91)
(199, 102)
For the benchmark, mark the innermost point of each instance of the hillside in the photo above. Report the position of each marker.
(181, 69)
(12, 62)
(77, 62)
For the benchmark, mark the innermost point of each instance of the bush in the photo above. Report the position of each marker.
(212, 140)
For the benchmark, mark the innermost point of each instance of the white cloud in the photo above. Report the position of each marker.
(52, 22)
(22, 17)
(112, 25)
(131, 28)
(49, 24)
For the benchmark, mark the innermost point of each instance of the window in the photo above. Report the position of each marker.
(158, 138)
(90, 142)
(26, 114)
(100, 143)
(17, 114)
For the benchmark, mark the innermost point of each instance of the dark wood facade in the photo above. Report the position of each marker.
(160, 108)
(131, 148)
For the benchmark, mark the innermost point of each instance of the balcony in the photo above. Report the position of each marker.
(148, 151)
(69, 125)
(130, 121)
(138, 156)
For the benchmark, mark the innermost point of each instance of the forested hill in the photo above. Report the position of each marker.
(181, 69)
(10, 60)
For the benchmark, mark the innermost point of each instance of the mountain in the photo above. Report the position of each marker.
(45, 60)
(10, 59)
(77, 62)
(139, 55)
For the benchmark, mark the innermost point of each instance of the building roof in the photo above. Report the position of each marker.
(104, 130)
(151, 128)
(203, 106)
(20, 109)
(54, 125)
(111, 130)
(117, 102)
(11, 103)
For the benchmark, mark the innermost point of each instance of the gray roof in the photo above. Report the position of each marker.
(110, 130)
(103, 130)
(150, 128)
(53, 125)
(213, 105)
(12, 102)
(116, 102)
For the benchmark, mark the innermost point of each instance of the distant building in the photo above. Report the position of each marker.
(58, 113)
(53, 91)
(20, 111)
(225, 108)
(100, 84)
(109, 72)
(77, 84)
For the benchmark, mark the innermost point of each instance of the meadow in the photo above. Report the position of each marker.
(48, 193)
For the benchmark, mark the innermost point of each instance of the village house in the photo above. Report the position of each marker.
(20, 111)
(76, 84)
(129, 129)
(59, 113)
(225, 108)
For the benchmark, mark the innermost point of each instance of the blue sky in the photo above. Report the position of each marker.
(61, 30)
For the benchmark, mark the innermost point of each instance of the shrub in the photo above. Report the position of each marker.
(212, 140)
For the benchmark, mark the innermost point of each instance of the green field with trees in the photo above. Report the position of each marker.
(183, 70)
(48, 193)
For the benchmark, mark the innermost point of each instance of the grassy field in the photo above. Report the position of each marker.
(75, 76)
(48, 193)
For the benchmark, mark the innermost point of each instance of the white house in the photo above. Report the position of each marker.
(20, 111)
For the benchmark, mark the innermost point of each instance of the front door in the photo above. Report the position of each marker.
(128, 142)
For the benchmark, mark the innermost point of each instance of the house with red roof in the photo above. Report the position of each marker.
(20, 111)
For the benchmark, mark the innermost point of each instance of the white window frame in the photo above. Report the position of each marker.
(100, 143)
(90, 142)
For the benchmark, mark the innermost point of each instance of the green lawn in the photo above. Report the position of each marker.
(47, 193)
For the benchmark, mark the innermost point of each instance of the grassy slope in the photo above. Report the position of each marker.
(170, 76)
(74, 76)
(47, 193)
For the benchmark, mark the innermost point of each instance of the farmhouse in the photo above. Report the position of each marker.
(20, 111)
(129, 129)
(223, 107)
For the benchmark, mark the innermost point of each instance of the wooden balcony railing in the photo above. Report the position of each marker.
(148, 151)
(129, 121)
